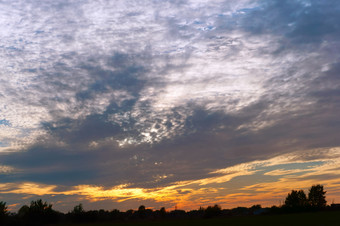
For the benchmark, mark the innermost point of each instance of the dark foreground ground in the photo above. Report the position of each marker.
(331, 218)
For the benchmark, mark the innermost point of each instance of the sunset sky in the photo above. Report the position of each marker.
(187, 103)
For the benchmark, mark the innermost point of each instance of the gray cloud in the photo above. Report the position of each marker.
(152, 93)
(300, 22)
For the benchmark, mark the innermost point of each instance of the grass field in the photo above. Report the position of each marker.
(308, 219)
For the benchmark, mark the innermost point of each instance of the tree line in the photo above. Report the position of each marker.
(42, 213)
(297, 199)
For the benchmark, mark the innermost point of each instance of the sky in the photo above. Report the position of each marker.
(174, 103)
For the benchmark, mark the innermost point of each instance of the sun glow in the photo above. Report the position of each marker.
(215, 189)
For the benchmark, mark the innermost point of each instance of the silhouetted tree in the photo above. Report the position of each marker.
(141, 211)
(3, 211)
(162, 212)
(177, 214)
(115, 214)
(78, 209)
(255, 208)
(129, 213)
(213, 211)
(23, 211)
(78, 213)
(38, 213)
(316, 196)
(141, 208)
(240, 211)
(296, 199)
(41, 213)
(39, 208)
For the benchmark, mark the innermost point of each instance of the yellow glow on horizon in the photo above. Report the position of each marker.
(208, 191)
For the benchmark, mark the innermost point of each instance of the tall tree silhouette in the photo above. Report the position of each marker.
(316, 196)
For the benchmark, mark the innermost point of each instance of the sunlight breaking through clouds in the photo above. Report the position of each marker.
(94, 93)
(280, 169)
(215, 70)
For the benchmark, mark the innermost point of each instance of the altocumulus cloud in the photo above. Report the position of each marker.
(126, 101)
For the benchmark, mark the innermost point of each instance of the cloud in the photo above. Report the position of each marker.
(266, 181)
(299, 22)
(148, 94)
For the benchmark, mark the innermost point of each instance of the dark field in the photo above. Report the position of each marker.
(331, 218)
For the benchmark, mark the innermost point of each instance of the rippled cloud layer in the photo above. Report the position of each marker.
(127, 101)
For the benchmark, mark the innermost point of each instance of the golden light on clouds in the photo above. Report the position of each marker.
(323, 168)
(28, 188)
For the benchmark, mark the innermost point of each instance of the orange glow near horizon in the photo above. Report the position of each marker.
(217, 189)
